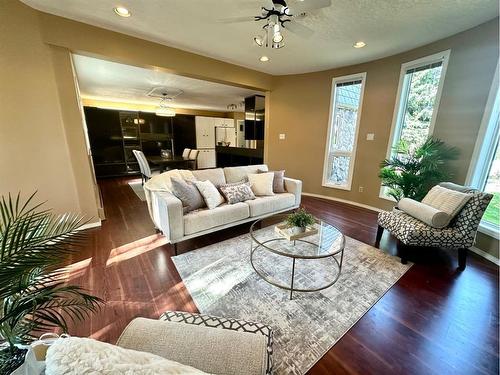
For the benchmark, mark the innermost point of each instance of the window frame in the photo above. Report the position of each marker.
(333, 99)
(482, 157)
(399, 105)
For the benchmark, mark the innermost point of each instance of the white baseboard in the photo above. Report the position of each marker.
(485, 255)
(90, 225)
(343, 201)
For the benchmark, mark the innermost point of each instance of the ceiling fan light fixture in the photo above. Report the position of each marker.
(163, 109)
(264, 59)
(277, 37)
(278, 45)
(359, 44)
(259, 40)
(122, 11)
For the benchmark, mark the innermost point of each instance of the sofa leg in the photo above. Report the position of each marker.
(462, 258)
(402, 252)
(175, 248)
(380, 231)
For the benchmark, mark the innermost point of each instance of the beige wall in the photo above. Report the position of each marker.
(34, 152)
(300, 109)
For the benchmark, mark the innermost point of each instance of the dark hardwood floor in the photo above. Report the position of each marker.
(435, 320)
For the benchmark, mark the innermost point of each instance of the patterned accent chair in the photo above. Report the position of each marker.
(460, 234)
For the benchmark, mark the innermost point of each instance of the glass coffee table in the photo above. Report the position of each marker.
(272, 255)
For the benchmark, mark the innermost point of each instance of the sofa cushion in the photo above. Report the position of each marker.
(210, 193)
(266, 205)
(429, 215)
(204, 219)
(188, 193)
(237, 192)
(447, 200)
(278, 182)
(162, 181)
(215, 176)
(237, 174)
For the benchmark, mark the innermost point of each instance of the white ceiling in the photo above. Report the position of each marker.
(387, 26)
(106, 80)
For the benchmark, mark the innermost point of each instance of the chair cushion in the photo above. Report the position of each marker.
(210, 193)
(429, 215)
(266, 205)
(236, 174)
(204, 219)
(215, 176)
(446, 200)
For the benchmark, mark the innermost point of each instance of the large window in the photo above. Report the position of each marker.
(420, 85)
(345, 113)
(484, 172)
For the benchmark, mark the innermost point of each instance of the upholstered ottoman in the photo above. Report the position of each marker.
(211, 344)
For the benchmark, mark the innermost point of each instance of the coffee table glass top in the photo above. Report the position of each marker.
(327, 242)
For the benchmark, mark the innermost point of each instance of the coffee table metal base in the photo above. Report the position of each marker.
(337, 264)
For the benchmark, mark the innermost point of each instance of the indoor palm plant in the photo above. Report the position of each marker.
(34, 244)
(412, 170)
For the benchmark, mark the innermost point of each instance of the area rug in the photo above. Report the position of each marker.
(136, 186)
(223, 283)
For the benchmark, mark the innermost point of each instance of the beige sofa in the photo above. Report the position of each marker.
(167, 213)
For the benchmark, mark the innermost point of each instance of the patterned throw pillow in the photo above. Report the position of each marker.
(188, 194)
(278, 182)
(237, 192)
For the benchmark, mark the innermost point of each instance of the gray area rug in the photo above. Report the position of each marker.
(222, 282)
(136, 186)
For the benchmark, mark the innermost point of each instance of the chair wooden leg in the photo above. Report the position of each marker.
(380, 231)
(403, 252)
(462, 258)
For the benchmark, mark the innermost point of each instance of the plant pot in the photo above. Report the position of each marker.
(11, 361)
(297, 230)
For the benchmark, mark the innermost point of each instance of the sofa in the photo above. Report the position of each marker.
(167, 214)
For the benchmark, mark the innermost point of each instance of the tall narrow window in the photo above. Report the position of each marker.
(484, 171)
(420, 86)
(345, 113)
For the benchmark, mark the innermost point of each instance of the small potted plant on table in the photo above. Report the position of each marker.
(299, 220)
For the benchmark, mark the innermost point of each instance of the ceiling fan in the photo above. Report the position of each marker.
(279, 15)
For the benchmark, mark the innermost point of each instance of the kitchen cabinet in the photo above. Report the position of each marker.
(206, 159)
(205, 132)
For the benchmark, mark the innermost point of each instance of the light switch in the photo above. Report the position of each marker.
(282, 136)
(370, 137)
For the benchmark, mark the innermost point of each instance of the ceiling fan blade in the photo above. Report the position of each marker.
(236, 19)
(297, 28)
(308, 5)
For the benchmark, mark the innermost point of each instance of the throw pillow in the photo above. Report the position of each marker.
(427, 214)
(237, 192)
(188, 193)
(278, 182)
(262, 183)
(446, 200)
(210, 193)
(75, 355)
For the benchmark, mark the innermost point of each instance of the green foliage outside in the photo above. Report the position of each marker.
(422, 92)
(492, 213)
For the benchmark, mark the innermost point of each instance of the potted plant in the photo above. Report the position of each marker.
(413, 170)
(34, 245)
(299, 220)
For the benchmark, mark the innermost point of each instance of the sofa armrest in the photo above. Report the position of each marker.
(216, 351)
(295, 187)
(167, 214)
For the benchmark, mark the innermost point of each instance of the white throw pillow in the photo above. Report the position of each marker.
(210, 193)
(74, 356)
(262, 183)
(423, 212)
(162, 181)
(446, 200)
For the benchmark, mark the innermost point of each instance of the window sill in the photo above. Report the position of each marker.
(340, 187)
(489, 230)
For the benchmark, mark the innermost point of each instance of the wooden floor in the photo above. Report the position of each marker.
(435, 320)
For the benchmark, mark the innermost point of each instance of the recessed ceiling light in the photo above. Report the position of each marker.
(359, 44)
(122, 12)
(264, 58)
